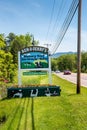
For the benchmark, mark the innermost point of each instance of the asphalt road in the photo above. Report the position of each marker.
(73, 78)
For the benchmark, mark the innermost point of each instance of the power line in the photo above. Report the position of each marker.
(66, 24)
(61, 9)
(59, 13)
(50, 19)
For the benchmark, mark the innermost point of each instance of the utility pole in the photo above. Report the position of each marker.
(79, 48)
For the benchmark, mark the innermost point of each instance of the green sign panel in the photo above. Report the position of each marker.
(34, 57)
(35, 73)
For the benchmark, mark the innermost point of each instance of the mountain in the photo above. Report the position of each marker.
(56, 55)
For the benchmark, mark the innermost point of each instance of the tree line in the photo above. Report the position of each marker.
(12, 43)
(9, 47)
(69, 62)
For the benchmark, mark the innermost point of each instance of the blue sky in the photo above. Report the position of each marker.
(33, 16)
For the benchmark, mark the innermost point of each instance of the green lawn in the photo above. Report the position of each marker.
(65, 112)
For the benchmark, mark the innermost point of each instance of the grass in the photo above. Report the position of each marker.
(65, 112)
(41, 79)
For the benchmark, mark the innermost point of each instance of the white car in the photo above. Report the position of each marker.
(57, 71)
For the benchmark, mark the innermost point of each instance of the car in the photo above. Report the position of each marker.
(57, 71)
(67, 72)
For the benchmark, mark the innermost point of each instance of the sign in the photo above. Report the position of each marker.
(34, 57)
(35, 73)
(33, 91)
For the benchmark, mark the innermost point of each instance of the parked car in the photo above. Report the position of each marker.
(67, 72)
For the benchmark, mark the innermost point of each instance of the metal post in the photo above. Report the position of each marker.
(50, 75)
(79, 48)
(19, 71)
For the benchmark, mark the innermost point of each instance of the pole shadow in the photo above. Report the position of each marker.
(32, 114)
(22, 110)
(14, 112)
(26, 115)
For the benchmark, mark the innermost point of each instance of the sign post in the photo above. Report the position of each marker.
(50, 75)
(34, 58)
(19, 70)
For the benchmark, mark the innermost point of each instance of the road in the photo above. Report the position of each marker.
(73, 78)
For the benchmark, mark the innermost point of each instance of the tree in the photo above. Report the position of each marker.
(18, 43)
(54, 65)
(6, 62)
(2, 43)
(6, 66)
(84, 62)
(65, 62)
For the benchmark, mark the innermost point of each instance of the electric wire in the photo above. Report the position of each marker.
(50, 20)
(66, 20)
(59, 15)
(66, 24)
